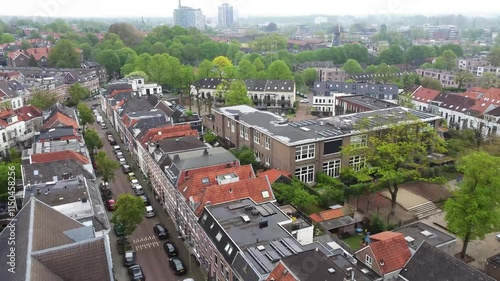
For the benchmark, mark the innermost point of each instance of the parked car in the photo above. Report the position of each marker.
(150, 212)
(160, 231)
(131, 176)
(111, 205)
(129, 258)
(170, 249)
(135, 273)
(145, 199)
(126, 169)
(119, 229)
(122, 161)
(188, 279)
(134, 182)
(119, 154)
(104, 126)
(304, 101)
(177, 266)
(138, 190)
(116, 147)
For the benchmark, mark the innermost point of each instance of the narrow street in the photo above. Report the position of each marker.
(149, 250)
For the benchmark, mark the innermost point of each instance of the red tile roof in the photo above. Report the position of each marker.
(116, 92)
(247, 186)
(5, 114)
(59, 117)
(273, 175)
(59, 155)
(390, 248)
(29, 112)
(425, 95)
(167, 132)
(327, 215)
(279, 274)
(486, 99)
(219, 167)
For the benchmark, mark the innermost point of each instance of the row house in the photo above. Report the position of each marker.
(304, 148)
(445, 77)
(12, 94)
(12, 129)
(359, 103)
(327, 71)
(59, 115)
(273, 95)
(478, 66)
(325, 93)
(421, 97)
(33, 57)
(33, 119)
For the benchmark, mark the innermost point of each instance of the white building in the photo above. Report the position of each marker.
(11, 94)
(14, 128)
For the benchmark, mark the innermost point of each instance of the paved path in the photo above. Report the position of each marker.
(149, 249)
(406, 198)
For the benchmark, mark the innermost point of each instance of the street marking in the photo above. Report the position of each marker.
(147, 242)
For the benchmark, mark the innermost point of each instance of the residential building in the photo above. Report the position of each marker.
(12, 94)
(272, 95)
(430, 263)
(305, 44)
(417, 233)
(51, 246)
(249, 240)
(33, 119)
(338, 219)
(60, 115)
(421, 97)
(493, 266)
(441, 32)
(303, 31)
(478, 66)
(303, 148)
(445, 77)
(226, 15)
(327, 71)
(386, 253)
(140, 87)
(359, 103)
(325, 93)
(14, 128)
(275, 175)
(189, 17)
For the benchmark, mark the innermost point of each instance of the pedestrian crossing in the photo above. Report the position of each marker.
(144, 243)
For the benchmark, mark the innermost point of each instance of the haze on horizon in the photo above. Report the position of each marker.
(245, 8)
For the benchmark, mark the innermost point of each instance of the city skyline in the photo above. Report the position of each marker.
(245, 8)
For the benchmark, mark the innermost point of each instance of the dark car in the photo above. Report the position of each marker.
(177, 266)
(145, 199)
(119, 229)
(160, 231)
(112, 142)
(170, 249)
(129, 258)
(126, 169)
(135, 273)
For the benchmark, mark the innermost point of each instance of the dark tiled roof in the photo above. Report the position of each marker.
(455, 102)
(280, 86)
(430, 263)
(136, 105)
(43, 172)
(57, 133)
(297, 265)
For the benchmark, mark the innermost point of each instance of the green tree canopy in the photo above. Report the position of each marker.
(64, 55)
(351, 66)
(205, 69)
(279, 70)
(430, 83)
(43, 99)
(221, 64)
(129, 212)
(77, 93)
(449, 59)
(85, 114)
(474, 209)
(309, 75)
(294, 193)
(92, 140)
(494, 56)
(110, 60)
(245, 155)
(106, 166)
(393, 55)
(246, 70)
(138, 73)
(237, 94)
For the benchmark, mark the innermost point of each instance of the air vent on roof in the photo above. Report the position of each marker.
(426, 233)
(248, 207)
(409, 239)
(261, 248)
(245, 218)
(331, 270)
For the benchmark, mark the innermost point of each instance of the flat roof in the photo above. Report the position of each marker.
(330, 128)
(367, 102)
(416, 233)
(180, 144)
(198, 158)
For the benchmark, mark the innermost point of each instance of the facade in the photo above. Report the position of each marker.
(325, 93)
(189, 17)
(33, 119)
(225, 15)
(327, 71)
(421, 97)
(446, 78)
(493, 266)
(273, 95)
(12, 94)
(306, 147)
(14, 128)
(359, 103)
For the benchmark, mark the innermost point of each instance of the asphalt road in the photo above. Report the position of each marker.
(149, 250)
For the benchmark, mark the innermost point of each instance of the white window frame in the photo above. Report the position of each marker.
(304, 152)
(359, 140)
(368, 260)
(332, 167)
(267, 142)
(242, 131)
(232, 125)
(256, 137)
(357, 162)
(305, 173)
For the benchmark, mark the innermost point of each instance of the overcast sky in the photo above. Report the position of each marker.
(164, 8)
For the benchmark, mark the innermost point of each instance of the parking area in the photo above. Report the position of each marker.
(149, 249)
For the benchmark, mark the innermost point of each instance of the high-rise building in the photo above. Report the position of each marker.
(189, 17)
(226, 15)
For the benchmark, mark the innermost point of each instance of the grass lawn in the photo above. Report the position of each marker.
(353, 242)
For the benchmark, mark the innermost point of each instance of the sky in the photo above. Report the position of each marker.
(244, 8)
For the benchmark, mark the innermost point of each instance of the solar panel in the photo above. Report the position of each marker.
(299, 124)
(269, 209)
(263, 212)
(236, 206)
(280, 248)
(260, 259)
(330, 133)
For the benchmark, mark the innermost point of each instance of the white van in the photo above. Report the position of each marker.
(119, 154)
(116, 147)
(150, 212)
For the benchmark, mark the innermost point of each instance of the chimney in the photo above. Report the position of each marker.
(176, 157)
(236, 117)
(205, 152)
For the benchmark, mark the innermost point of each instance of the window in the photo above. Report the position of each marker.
(357, 162)
(267, 142)
(256, 137)
(232, 125)
(218, 236)
(304, 152)
(332, 168)
(268, 160)
(228, 123)
(368, 260)
(228, 248)
(332, 147)
(204, 218)
(305, 173)
(359, 140)
(242, 131)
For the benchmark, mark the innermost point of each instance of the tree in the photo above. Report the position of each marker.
(395, 154)
(393, 55)
(279, 70)
(449, 58)
(489, 80)
(185, 79)
(210, 137)
(309, 75)
(85, 114)
(474, 209)
(494, 56)
(294, 193)
(106, 167)
(205, 69)
(462, 78)
(245, 155)
(221, 64)
(110, 60)
(127, 33)
(7, 170)
(86, 50)
(129, 212)
(352, 66)
(456, 49)
(77, 93)
(92, 140)
(430, 83)
(43, 99)
(64, 55)
(237, 94)
(209, 50)
(138, 73)
(246, 70)
(25, 45)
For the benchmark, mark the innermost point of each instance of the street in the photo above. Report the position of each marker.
(149, 250)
